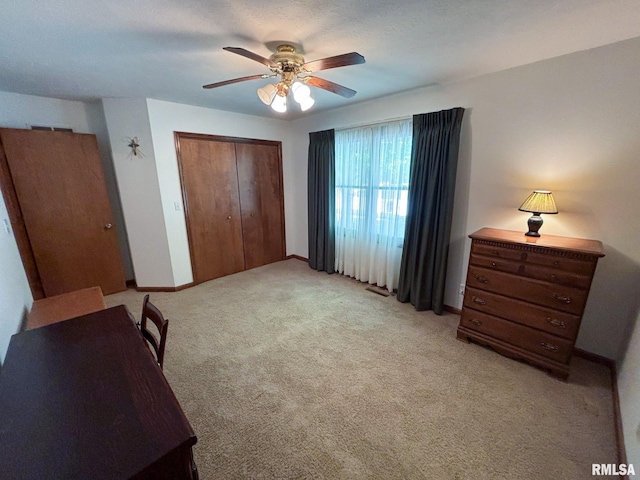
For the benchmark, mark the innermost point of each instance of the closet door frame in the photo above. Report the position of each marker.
(225, 139)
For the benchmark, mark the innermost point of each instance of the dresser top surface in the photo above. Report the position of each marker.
(591, 247)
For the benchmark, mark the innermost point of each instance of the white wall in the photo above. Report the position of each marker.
(98, 126)
(165, 119)
(15, 294)
(137, 179)
(629, 389)
(22, 111)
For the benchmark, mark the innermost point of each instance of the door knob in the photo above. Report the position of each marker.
(108, 226)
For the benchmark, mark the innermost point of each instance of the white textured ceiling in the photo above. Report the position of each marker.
(88, 49)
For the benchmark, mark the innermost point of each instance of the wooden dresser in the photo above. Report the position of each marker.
(525, 296)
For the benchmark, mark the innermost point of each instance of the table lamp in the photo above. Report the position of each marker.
(540, 201)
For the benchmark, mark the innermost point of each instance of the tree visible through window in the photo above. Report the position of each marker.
(372, 182)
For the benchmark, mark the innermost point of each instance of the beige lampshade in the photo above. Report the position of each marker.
(267, 93)
(540, 201)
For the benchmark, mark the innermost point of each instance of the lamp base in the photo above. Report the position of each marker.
(534, 223)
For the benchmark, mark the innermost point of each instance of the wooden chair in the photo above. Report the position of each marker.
(151, 312)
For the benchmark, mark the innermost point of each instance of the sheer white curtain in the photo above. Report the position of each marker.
(372, 178)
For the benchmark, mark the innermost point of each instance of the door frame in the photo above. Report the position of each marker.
(225, 139)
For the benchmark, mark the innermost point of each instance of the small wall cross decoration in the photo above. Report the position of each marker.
(135, 147)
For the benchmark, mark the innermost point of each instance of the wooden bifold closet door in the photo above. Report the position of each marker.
(232, 190)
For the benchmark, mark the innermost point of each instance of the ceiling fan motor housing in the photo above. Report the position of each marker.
(286, 55)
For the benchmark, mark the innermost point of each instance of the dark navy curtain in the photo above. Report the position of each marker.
(321, 200)
(434, 161)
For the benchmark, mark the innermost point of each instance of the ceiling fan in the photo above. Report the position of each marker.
(293, 71)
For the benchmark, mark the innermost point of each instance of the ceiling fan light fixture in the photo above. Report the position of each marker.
(279, 103)
(267, 93)
(300, 92)
(306, 103)
(293, 71)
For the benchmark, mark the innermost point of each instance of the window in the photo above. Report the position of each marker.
(372, 181)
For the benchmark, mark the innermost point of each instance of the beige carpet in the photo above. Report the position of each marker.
(288, 373)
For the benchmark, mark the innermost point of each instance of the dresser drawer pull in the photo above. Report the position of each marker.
(550, 347)
(481, 279)
(493, 264)
(475, 321)
(496, 253)
(556, 323)
(478, 300)
(556, 263)
(560, 298)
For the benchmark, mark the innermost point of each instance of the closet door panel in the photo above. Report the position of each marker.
(261, 200)
(214, 225)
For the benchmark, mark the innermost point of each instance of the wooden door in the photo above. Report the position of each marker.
(59, 185)
(261, 201)
(212, 206)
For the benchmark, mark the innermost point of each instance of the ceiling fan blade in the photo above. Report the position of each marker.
(252, 56)
(343, 60)
(330, 86)
(235, 80)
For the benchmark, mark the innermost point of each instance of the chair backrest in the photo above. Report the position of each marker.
(151, 312)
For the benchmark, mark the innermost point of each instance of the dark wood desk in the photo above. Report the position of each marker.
(85, 399)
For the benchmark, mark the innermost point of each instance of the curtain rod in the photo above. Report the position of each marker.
(370, 124)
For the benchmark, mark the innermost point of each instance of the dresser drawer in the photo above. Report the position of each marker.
(495, 263)
(497, 252)
(556, 296)
(569, 278)
(534, 341)
(581, 267)
(548, 274)
(552, 321)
